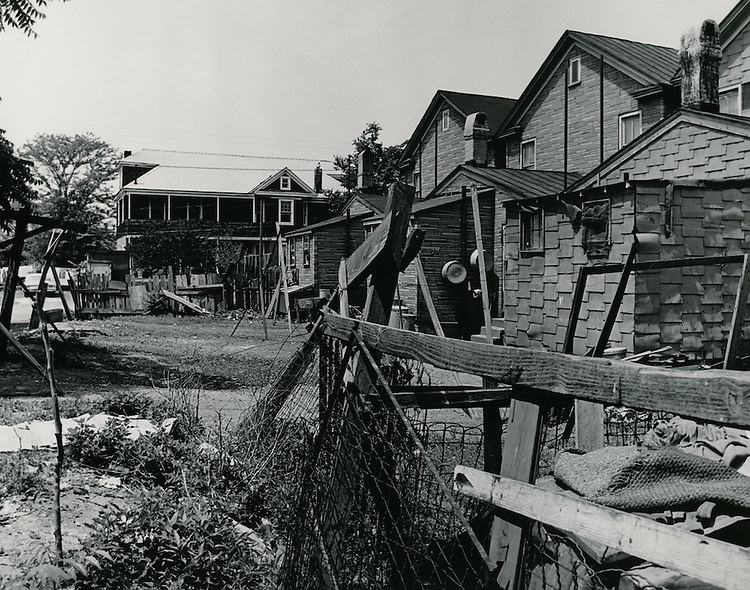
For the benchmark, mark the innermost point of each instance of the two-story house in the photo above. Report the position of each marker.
(676, 192)
(591, 96)
(237, 197)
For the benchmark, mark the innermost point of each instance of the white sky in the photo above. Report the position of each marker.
(290, 78)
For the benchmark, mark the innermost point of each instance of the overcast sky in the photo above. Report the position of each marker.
(290, 78)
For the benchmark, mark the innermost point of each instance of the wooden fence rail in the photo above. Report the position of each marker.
(537, 378)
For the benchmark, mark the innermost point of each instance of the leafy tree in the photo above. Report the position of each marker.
(21, 14)
(385, 161)
(74, 175)
(181, 245)
(15, 176)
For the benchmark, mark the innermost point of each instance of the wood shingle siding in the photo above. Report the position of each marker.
(688, 308)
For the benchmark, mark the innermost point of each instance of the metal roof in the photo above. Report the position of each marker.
(211, 172)
(645, 63)
(654, 61)
(517, 183)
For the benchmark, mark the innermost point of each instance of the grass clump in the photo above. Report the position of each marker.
(21, 474)
(172, 542)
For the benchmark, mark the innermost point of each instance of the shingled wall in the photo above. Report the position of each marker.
(689, 151)
(689, 309)
(539, 287)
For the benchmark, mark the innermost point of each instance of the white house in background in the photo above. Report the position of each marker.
(240, 197)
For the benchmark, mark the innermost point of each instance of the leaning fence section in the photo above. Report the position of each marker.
(371, 504)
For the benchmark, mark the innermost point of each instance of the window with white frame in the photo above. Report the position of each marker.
(306, 251)
(528, 154)
(730, 100)
(286, 183)
(630, 127)
(446, 120)
(286, 212)
(532, 229)
(293, 253)
(574, 71)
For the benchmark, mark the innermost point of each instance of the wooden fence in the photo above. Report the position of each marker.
(98, 295)
(529, 382)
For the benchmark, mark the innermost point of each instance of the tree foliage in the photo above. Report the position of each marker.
(73, 175)
(181, 245)
(385, 161)
(15, 176)
(21, 14)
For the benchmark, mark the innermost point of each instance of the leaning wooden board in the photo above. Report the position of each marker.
(715, 562)
(185, 302)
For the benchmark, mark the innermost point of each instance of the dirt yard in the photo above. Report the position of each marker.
(124, 355)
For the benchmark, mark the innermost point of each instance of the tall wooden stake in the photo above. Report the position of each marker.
(11, 283)
(282, 265)
(482, 265)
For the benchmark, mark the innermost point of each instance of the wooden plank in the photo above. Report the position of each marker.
(66, 308)
(482, 265)
(454, 399)
(714, 562)
(664, 264)
(713, 396)
(343, 290)
(520, 452)
(425, 287)
(360, 263)
(32, 232)
(25, 353)
(575, 309)
(185, 302)
(738, 316)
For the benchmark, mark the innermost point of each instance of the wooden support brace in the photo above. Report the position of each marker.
(738, 316)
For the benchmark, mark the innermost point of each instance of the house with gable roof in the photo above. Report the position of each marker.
(240, 198)
(441, 139)
(678, 191)
(592, 95)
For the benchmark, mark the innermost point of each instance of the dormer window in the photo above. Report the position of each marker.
(574, 71)
(286, 183)
(446, 120)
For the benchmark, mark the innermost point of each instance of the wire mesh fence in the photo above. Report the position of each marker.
(367, 497)
(367, 504)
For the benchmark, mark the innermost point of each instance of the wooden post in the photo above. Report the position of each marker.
(380, 255)
(282, 265)
(58, 284)
(11, 282)
(738, 316)
(508, 540)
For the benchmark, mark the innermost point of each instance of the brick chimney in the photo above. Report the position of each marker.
(318, 179)
(365, 163)
(700, 55)
(476, 137)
